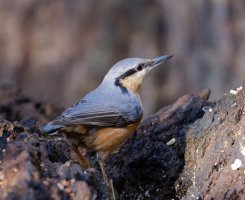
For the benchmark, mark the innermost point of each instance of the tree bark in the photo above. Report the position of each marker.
(192, 149)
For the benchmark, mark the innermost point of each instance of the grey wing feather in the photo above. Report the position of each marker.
(95, 114)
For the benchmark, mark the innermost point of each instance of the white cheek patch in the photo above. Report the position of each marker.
(147, 69)
(142, 73)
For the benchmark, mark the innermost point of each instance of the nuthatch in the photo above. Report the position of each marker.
(105, 118)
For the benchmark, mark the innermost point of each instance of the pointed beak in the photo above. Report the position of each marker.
(159, 60)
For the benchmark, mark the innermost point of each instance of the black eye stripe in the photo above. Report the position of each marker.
(131, 72)
(140, 67)
(126, 74)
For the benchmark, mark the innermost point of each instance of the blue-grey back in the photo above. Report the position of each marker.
(106, 106)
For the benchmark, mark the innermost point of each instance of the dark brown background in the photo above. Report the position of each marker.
(61, 49)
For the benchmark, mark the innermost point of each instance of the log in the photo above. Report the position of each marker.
(192, 149)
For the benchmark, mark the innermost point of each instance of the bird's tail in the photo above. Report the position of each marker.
(51, 129)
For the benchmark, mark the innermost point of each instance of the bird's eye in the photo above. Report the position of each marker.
(140, 67)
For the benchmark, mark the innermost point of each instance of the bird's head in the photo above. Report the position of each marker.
(129, 73)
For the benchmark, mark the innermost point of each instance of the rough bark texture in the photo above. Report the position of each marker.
(215, 152)
(192, 149)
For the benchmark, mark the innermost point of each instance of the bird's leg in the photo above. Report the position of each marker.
(102, 167)
(112, 189)
(83, 161)
(109, 183)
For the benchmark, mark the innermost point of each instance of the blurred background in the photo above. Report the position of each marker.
(60, 49)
